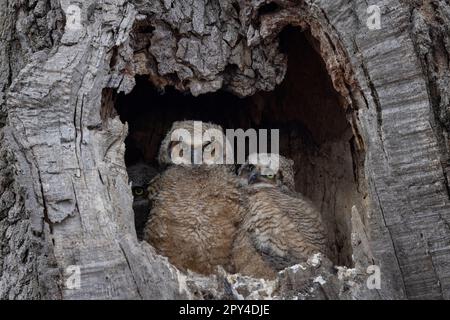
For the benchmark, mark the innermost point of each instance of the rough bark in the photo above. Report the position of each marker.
(64, 191)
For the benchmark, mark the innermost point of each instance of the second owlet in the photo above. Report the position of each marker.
(195, 207)
(281, 227)
(140, 175)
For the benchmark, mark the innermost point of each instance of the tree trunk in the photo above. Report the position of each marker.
(64, 192)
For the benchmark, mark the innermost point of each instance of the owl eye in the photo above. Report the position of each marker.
(206, 145)
(138, 191)
(209, 145)
(270, 176)
(172, 145)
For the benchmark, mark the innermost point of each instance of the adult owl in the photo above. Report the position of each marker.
(281, 227)
(140, 174)
(196, 207)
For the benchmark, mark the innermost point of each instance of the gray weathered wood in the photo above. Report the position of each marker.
(64, 191)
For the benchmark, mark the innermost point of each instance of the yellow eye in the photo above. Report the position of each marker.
(138, 191)
(270, 176)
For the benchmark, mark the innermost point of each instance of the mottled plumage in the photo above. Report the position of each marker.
(195, 211)
(281, 227)
(194, 217)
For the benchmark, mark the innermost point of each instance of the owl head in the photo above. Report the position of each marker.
(140, 175)
(192, 142)
(265, 169)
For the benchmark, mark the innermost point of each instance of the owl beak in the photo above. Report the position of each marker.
(197, 156)
(253, 177)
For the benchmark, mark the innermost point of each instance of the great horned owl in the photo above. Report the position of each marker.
(281, 227)
(140, 175)
(271, 169)
(196, 208)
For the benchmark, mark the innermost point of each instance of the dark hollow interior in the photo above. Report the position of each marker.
(314, 130)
